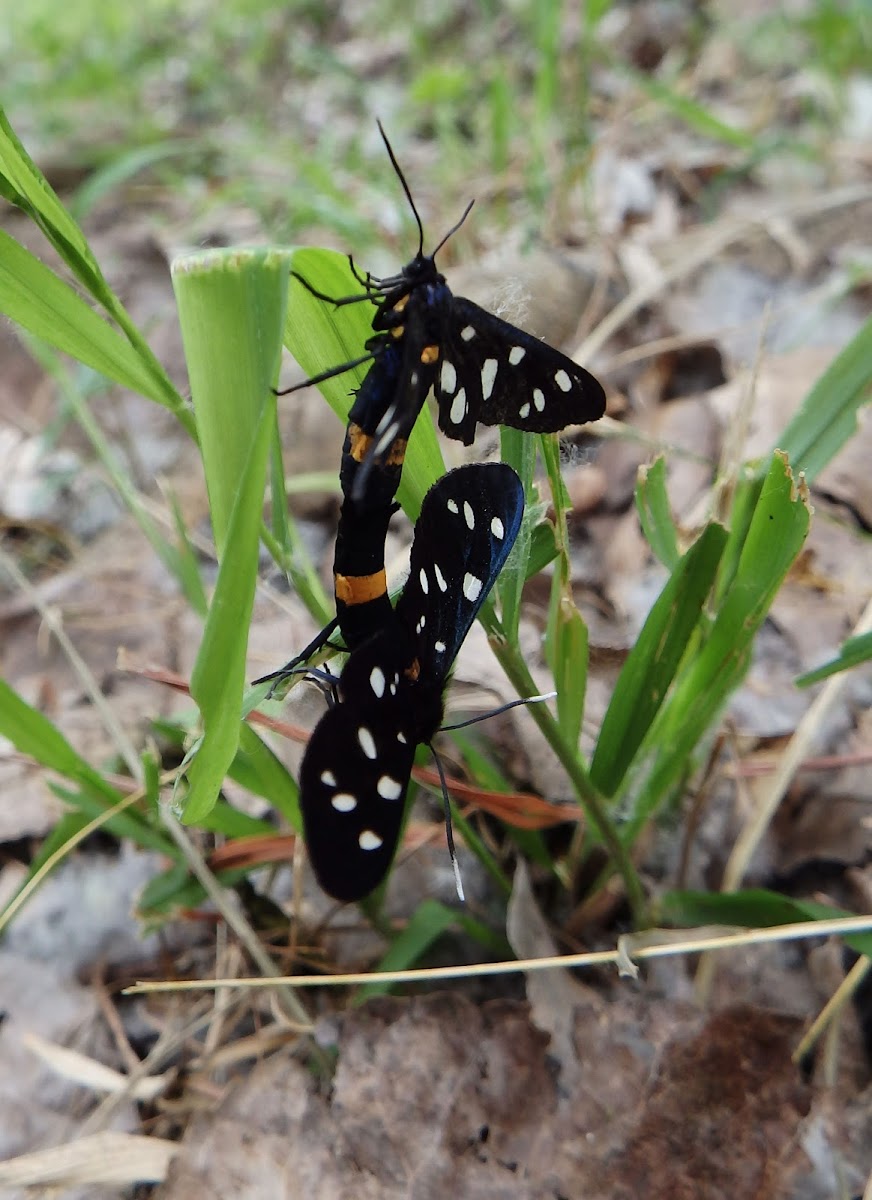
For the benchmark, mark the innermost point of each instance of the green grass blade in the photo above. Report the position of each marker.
(33, 734)
(23, 184)
(264, 774)
(653, 662)
(655, 513)
(692, 113)
(854, 652)
(519, 451)
(775, 537)
(566, 642)
(427, 924)
(827, 418)
(231, 307)
(753, 908)
(43, 304)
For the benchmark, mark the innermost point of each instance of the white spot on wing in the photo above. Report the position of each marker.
(439, 647)
(451, 505)
(401, 737)
(467, 333)
(369, 840)
(344, 802)
(440, 578)
(524, 410)
(516, 355)
(377, 681)
(458, 407)
(386, 420)
(329, 778)
(471, 587)
(563, 381)
(448, 378)
(389, 789)
(366, 741)
(498, 529)
(468, 514)
(488, 377)
(387, 438)
(539, 399)
(425, 583)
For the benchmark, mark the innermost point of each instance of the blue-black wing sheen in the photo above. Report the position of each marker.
(467, 526)
(357, 765)
(492, 373)
(356, 770)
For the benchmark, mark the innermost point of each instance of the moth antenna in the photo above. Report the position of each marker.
(449, 832)
(495, 712)
(406, 189)
(453, 229)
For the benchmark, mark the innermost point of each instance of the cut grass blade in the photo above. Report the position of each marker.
(231, 308)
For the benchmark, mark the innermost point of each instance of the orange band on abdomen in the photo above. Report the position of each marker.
(358, 589)
(360, 442)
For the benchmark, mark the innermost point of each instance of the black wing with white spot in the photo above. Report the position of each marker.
(468, 524)
(356, 768)
(356, 771)
(495, 374)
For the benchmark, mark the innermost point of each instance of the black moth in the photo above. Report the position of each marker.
(357, 765)
(481, 369)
